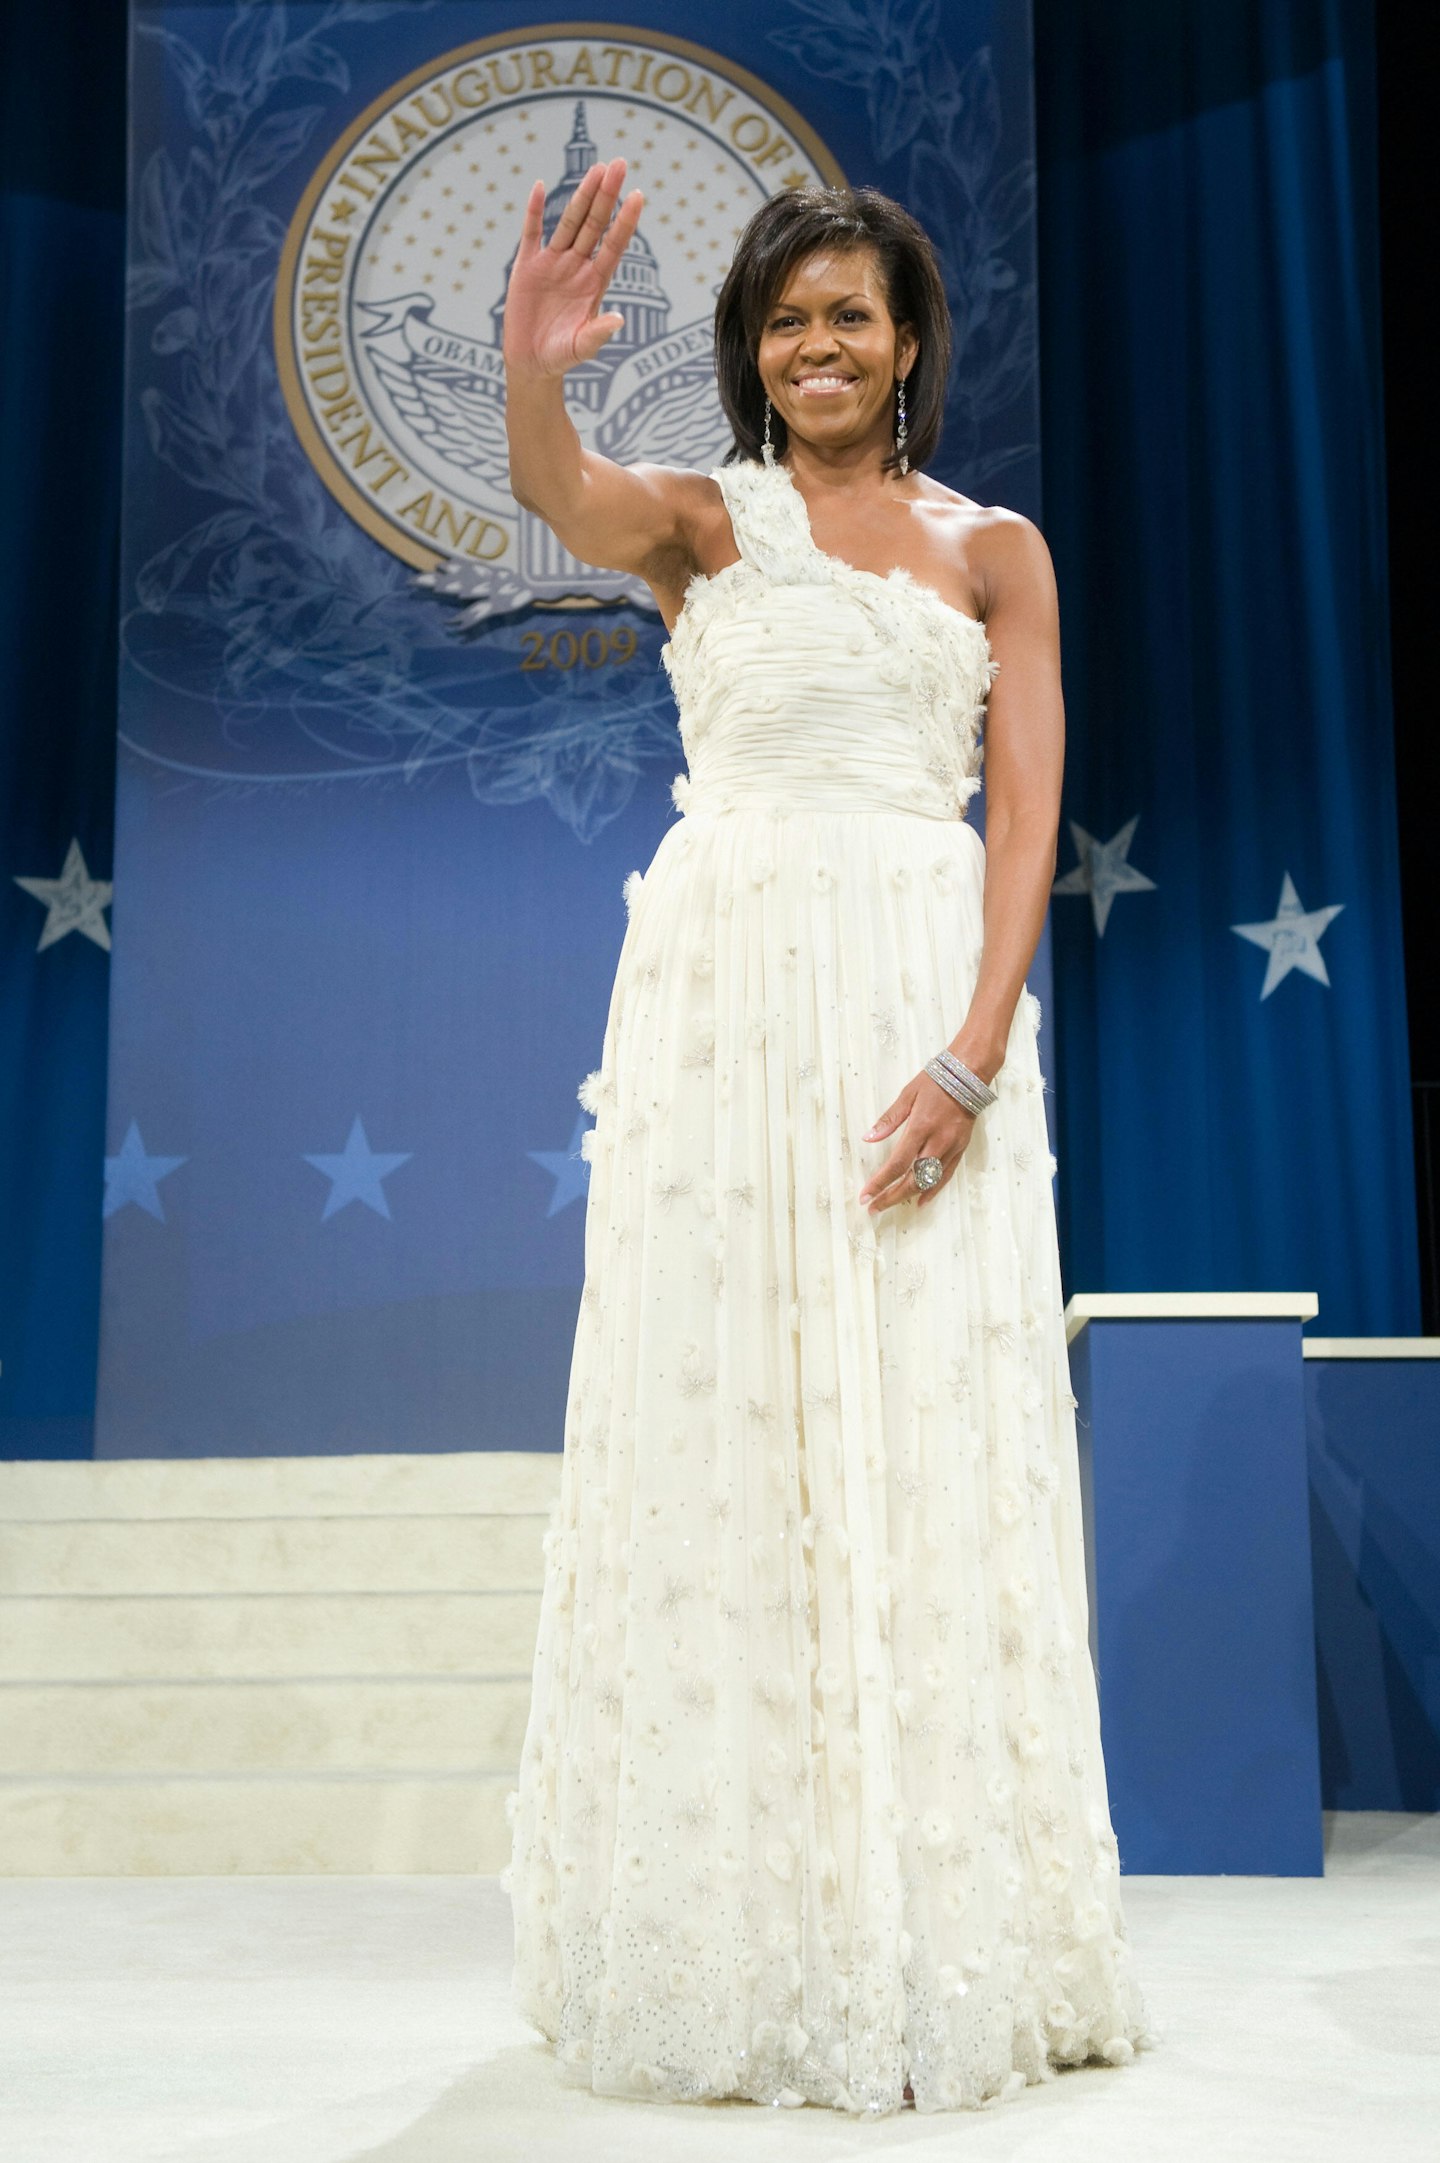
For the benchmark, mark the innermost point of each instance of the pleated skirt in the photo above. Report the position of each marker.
(812, 1799)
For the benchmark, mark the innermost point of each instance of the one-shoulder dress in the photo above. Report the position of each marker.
(811, 1800)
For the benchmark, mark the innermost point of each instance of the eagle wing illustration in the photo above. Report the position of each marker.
(453, 411)
(685, 426)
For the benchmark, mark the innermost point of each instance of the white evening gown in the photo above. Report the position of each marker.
(811, 1799)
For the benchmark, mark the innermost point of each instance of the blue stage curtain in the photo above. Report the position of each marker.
(1214, 496)
(62, 250)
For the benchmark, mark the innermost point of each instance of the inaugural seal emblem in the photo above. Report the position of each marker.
(391, 291)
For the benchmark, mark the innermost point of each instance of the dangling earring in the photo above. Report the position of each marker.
(767, 448)
(900, 424)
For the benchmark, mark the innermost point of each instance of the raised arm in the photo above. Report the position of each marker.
(623, 518)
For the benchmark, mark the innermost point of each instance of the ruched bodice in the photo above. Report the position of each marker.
(806, 684)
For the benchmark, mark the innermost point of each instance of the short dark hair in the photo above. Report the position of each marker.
(797, 223)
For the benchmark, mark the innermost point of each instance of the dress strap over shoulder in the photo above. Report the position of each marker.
(768, 518)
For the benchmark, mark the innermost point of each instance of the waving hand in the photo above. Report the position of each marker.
(552, 317)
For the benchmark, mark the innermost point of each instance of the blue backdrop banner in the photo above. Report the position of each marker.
(387, 754)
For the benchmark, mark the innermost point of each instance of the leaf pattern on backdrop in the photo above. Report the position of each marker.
(943, 118)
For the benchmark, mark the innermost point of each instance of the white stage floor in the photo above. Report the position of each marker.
(319, 2020)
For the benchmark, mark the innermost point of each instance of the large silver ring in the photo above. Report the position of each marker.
(929, 1171)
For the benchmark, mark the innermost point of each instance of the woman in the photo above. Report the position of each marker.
(812, 1805)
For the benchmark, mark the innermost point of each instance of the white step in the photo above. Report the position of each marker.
(262, 1826)
(380, 1486)
(396, 1726)
(128, 1637)
(470, 1552)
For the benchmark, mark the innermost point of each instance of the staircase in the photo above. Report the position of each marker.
(283, 1664)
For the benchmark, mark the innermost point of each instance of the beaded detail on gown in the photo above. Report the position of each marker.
(811, 1799)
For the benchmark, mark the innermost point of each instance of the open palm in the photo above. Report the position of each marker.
(552, 317)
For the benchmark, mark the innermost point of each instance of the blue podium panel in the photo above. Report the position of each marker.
(1374, 1427)
(1193, 1457)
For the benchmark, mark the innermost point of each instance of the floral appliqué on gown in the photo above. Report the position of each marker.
(812, 1800)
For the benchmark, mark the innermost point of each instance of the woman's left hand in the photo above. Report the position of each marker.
(935, 1126)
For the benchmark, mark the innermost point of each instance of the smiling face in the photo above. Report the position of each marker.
(830, 352)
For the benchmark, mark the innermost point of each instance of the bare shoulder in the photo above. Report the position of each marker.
(1003, 553)
(1010, 559)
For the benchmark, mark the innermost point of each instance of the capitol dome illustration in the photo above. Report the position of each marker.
(635, 291)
